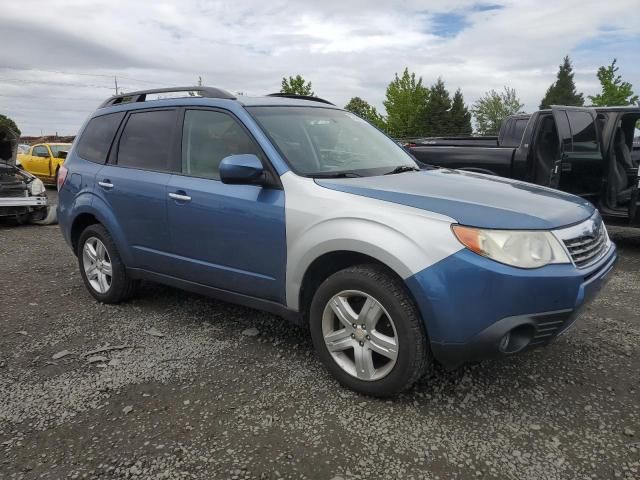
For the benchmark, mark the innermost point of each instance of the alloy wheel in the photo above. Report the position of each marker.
(97, 265)
(360, 335)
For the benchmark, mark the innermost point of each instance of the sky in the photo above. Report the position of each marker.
(58, 58)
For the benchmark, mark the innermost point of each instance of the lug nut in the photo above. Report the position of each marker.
(355, 326)
(362, 344)
(368, 337)
(353, 335)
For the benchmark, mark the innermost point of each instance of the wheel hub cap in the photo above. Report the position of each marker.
(97, 265)
(360, 335)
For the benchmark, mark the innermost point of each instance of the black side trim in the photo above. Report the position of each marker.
(219, 294)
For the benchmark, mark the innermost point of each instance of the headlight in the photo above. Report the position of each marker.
(36, 187)
(519, 248)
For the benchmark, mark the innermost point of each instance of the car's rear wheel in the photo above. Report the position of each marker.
(367, 331)
(102, 270)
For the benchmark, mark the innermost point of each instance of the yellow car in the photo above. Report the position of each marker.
(44, 159)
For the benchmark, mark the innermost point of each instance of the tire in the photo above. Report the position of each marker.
(120, 286)
(398, 319)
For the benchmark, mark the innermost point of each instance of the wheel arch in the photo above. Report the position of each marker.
(97, 212)
(326, 265)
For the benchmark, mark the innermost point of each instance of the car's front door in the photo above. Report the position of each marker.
(581, 169)
(134, 183)
(225, 236)
(40, 161)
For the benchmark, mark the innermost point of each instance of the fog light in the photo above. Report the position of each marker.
(504, 342)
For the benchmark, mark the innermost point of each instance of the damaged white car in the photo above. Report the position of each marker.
(22, 196)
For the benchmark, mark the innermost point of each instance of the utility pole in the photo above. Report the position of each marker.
(115, 80)
(199, 81)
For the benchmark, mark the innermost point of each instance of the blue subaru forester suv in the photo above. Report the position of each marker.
(299, 208)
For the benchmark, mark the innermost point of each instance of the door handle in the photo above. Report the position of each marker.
(181, 197)
(106, 184)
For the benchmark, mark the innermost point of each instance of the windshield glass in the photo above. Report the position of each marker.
(56, 149)
(320, 142)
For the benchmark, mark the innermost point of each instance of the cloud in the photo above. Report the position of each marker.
(345, 48)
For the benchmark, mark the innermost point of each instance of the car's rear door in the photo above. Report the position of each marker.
(230, 237)
(581, 169)
(133, 184)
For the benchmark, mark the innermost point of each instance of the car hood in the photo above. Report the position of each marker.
(472, 199)
(8, 145)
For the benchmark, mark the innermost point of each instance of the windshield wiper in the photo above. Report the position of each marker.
(336, 175)
(402, 169)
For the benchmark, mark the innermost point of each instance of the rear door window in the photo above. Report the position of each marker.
(518, 130)
(583, 131)
(97, 137)
(147, 141)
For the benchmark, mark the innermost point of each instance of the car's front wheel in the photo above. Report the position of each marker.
(367, 331)
(102, 270)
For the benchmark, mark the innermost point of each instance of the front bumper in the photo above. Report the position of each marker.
(23, 201)
(10, 206)
(469, 303)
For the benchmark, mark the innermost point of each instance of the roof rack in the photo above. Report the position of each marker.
(301, 97)
(141, 95)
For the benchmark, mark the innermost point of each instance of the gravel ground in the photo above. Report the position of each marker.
(202, 389)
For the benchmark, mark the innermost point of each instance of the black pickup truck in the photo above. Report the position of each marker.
(584, 151)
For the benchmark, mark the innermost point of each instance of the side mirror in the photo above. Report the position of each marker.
(243, 169)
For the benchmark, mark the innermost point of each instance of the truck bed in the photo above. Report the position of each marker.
(483, 159)
(456, 141)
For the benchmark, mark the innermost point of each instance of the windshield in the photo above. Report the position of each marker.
(319, 142)
(56, 149)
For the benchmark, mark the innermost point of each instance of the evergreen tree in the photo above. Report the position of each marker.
(405, 102)
(296, 86)
(4, 120)
(614, 90)
(563, 90)
(460, 116)
(363, 109)
(437, 118)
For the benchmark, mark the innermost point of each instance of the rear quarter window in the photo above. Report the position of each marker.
(97, 137)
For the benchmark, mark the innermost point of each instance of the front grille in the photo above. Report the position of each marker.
(545, 331)
(13, 192)
(588, 248)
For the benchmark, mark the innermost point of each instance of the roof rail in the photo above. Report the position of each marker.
(141, 95)
(301, 97)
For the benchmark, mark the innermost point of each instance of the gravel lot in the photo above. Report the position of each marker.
(229, 392)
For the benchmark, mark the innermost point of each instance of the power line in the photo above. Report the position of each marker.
(3, 67)
(49, 82)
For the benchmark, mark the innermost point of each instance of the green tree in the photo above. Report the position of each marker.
(4, 120)
(492, 108)
(563, 90)
(460, 116)
(614, 90)
(405, 102)
(363, 109)
(437, 118)
(296, 86)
